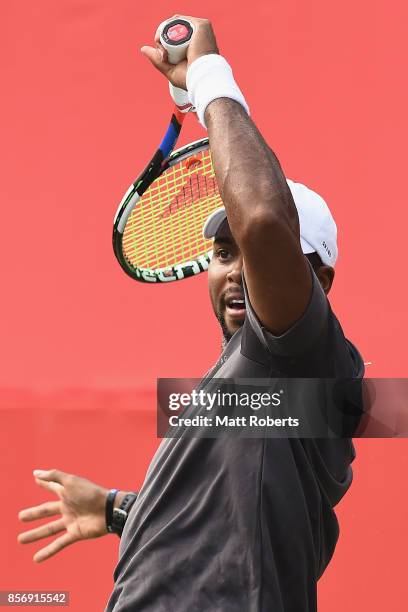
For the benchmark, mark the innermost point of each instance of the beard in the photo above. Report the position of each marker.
(226, 334)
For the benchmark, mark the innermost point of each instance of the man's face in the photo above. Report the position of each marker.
(225, 282)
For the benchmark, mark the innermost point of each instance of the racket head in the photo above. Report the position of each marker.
(157, 235)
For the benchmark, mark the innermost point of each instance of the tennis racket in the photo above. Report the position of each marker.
(157, 234)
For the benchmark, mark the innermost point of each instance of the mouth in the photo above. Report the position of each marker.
(235, 307)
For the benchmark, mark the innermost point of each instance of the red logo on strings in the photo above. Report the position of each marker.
(196, 188)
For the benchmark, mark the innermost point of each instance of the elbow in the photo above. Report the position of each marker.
(266, 220)
(258, 225)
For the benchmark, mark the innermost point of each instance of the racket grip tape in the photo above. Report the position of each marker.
(175, 36)
(181, 99)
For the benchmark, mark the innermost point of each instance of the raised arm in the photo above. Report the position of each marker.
(262, 216)
(261, 213)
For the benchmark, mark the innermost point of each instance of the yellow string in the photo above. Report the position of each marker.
(165, 227)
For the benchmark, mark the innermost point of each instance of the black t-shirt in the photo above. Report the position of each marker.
(242, 524)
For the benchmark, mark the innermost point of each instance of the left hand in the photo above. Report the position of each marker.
(80, 507)
(202, 43)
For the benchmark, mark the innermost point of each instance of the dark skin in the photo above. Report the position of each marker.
(225, 280)
(262, 215)
(261, 239)
(80, 508)
(78, 513)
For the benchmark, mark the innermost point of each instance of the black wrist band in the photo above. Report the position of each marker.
(110, 500)
(120, 514)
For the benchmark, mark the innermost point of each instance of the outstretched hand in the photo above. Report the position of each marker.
(202, 43)
(80, 507)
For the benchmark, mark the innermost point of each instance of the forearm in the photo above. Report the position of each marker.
(249, 175)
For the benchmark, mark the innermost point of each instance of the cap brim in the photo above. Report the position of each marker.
(306, 247)
(213, 223)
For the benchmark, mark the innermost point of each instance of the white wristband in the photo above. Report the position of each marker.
(210, 77)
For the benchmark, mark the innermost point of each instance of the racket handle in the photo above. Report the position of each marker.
(175, 36)
(181, 99)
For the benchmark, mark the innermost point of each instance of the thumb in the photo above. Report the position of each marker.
(156, 55)
(50, 485)
(50, 475)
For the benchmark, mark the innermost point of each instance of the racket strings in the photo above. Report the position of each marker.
(165, 227)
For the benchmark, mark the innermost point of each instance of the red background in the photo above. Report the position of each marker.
(82, 344)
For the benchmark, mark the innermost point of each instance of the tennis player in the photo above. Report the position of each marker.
(230, 524)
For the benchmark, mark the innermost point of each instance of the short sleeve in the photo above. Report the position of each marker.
(303, 334)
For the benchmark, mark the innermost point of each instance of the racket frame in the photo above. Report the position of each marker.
(163, 159)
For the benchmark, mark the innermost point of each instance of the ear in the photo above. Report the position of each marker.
(325, 274)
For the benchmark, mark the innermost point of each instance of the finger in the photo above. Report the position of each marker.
(194, 20)
(158, 31)
(41, 532)
(54, 487)
(41, 511)
(54, 475)
(156, 56)
(163, 53)
(53, 548)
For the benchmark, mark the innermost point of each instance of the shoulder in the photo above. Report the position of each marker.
(314, 346)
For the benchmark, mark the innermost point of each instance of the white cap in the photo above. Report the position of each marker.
(318, 231)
